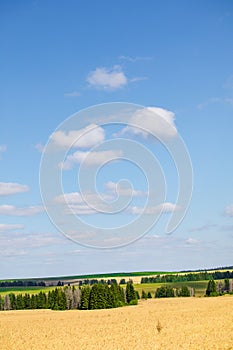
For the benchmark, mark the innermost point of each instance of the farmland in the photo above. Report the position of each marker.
(186, 323)
(199, 287)
(23, 290)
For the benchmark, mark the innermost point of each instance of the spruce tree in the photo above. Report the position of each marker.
(184, 292)
(130, 292)
(149, 296)
(211, 289)
(85, 294)
(144, 295)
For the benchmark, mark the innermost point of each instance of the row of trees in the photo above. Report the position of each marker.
(95, 281)
(98, 296)
(169, 292)
(22, 283)
(201, 276)
(219, 288)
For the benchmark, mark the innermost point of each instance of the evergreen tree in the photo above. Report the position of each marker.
(160, 292)
(149, 296)
(12, 298)
(144, 295)
(98, 297)
(27, 301)
(41, 301)
(33, 302)
(1, 303)
(184, 292)
(164, 292)
(130, 292)
(85, 294)
(19, 302)
(211, 289)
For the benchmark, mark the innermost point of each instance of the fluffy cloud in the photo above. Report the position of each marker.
(86, 204)
(229, 210)
(7, 188)
(78, 198)
(82, 138)
(11, 210)
(164, 208)
(158, 121)
(9, 227)
(2, 150)
(117, 189)
(107, 79)
(90, 158)
(80, 209)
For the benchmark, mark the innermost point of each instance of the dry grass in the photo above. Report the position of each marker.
(186, 323)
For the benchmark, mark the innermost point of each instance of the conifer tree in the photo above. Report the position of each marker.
(211, 288)
(85, 294)
(130, 292)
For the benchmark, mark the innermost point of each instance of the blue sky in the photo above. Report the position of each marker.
(58, 58)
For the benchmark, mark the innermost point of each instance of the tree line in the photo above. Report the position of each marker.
(95, 281)
(169, 292)
(22, 283)
(219, 288)
(97, 296)
(200, 276)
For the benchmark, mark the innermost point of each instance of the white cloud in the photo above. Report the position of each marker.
(82, 138)
(80, 209)
(192, 241)
(163, 208)
(11, 210)
(2, 150)
(116, 189)
(78, 198)
(229, 210)
(158, 121)
(19, 243)
(90, 158)
(39, 147)
(72, 94)
(7, 188)
(83, 204)
(9, 227)
(107, 79)
(134, 59)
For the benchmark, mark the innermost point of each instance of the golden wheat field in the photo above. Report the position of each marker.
(186, 323)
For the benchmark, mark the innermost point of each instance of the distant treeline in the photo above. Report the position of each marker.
(99, 296)
(22, 283)
(200, 276)
(212, 269)
(95, 281)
